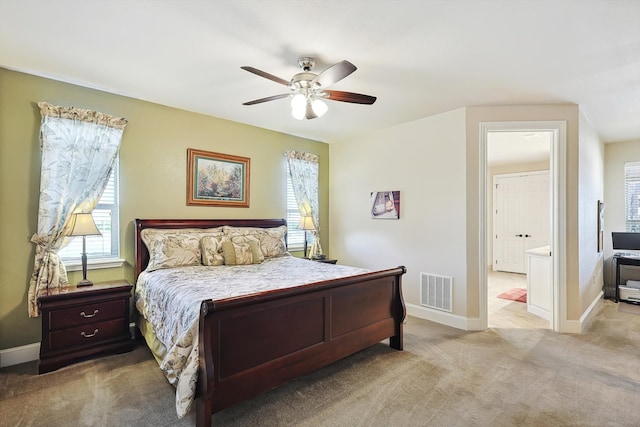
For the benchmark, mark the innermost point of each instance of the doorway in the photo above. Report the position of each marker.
(520, 222)
(555, 160)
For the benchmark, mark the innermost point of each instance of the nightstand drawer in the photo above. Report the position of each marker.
(86, 314)
(88, 334)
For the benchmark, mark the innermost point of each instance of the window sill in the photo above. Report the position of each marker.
(94, 264)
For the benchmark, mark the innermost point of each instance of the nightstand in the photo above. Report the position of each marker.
(79, 322)
(326, 261)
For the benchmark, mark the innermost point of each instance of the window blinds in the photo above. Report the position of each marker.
(632, 196)
(105, 215)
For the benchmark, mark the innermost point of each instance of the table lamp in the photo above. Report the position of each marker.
(306, 224)
(82, 225)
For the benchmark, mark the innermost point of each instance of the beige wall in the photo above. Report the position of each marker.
(591, 184)
(435, 163)
(476, 115)
(425, 161)
(152, 173)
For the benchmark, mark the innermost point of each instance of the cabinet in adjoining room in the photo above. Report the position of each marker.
(540, 283)
(521, 218)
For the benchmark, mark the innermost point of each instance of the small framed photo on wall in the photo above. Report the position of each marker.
(385, 205)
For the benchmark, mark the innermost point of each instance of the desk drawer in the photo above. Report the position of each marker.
(86, 314)
(88, 334)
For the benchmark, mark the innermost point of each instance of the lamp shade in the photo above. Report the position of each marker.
(319, 107)
(298, 106)
(82, 225)
(306, 223)
(307, 107)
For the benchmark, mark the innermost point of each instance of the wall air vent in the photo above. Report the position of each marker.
(435, 291)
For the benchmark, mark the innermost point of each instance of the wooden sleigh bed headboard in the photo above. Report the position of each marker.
(142, 253)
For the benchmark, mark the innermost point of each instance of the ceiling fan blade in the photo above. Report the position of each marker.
(355, 98)
(268, 98)
(334, 74)
(265, 75)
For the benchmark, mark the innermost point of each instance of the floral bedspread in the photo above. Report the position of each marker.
(169, 299)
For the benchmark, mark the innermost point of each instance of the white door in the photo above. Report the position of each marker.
(509, 240)
(537, 213)
(522, 218)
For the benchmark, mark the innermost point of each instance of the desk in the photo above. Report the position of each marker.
(622, 260)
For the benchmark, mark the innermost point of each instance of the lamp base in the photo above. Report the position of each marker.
(84, 282)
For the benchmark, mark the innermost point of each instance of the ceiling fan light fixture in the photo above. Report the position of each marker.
(307, 88)
(298, 106)
(297, 114)
(319, 107)
(298, 102)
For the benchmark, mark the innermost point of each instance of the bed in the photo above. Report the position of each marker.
(250, 343)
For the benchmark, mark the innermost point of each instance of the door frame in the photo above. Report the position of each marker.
(558, 169)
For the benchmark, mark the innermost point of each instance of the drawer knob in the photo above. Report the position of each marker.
(89, 335)
(86, 316)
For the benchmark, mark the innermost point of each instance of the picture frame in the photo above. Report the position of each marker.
(385, 204)
(601, 206)
(216, 179)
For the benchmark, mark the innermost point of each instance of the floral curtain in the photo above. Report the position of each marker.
(79, 149)
(304, 177)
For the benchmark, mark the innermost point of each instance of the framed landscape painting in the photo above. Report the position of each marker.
(216, 179)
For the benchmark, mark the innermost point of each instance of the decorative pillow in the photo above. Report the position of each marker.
(242, 238)
(241, 253)
(168, 250)
(272, 240)
(212, 249)
(231, 232)
(175, 247)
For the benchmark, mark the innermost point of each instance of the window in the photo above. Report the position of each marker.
(632, 196)
(295, 237)
(107, 220)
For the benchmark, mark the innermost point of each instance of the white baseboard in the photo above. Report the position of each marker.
(578, 326)
(473, 323)
(444, 318)
(17, 355)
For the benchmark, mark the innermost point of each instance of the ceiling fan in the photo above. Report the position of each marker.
(307, 89)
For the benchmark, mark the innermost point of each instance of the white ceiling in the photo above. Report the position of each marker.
(418, 57)
(518, 147)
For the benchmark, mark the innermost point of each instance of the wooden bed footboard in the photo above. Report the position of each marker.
(249, 345)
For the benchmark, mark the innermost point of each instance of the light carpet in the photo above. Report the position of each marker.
(445, 377)
(629, 308)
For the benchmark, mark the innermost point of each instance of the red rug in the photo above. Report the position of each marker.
(515, 294)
